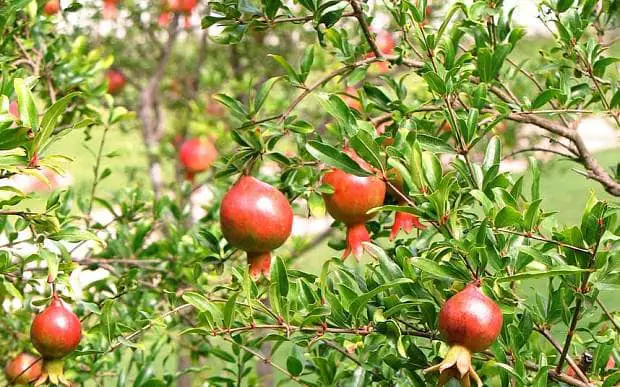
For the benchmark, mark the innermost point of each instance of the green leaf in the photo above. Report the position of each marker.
(52, 264)
(197, 300)
(334, 158)
(306, 62)
(362, 301)
(493, 154)
(263, 92)
(564, 5)
(432, 169)
(301, 127)
(366, 147)
(531, 215)
(508, 217)
(290, 71)
(294, 366)
(73, 234)
(280, 276)
(533, 163)
(434, 144)
(436, 270)
(107, 324)
(27, 109)
(487, 204)
(507, 368)
(234, 105)
(552, 272)
(545, 97)
(229, 310)
(316, 204)
(435, 83)
(612, 380)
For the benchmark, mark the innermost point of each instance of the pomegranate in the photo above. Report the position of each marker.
(352, 102)
(352, 198)
(164, 19)
(385, 45)
(196, 155)
(470, 322)
(445, 127)
(55, 333)
(385, 42)
(257, 218)
(402, 220)
(23, 369)
(110, 8)
(182, 6)
(51, 7)
(116, 81)
(14, 109)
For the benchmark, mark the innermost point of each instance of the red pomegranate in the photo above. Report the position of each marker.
(164, 19)
(23, 369)
(352, 102)
(182, 6)
(56, 331)
(385, 42)
(116, 81)
(470, 322)
(257, 218)
(353, 197)
(402, 220)
(14, 109)
(110, 8)
(51, 7)
(196, 155)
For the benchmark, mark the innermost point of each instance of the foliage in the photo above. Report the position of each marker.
(290, 117)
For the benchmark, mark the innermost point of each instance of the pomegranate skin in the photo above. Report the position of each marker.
(182, 6)
(351, 102)
(196, 155)
(23, 369)
(51, 7)
(116, 81)
(385, 42)
(56, 331)
(470, 319)
(14, 109)
(110, 8)
(353, 196)
(255, 217)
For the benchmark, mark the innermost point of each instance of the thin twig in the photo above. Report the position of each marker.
(543, 239)
(608, 314)
(265, 359)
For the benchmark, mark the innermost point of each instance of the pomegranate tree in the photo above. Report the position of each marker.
(51, 7)
(350, 202)
(257, 218)
(116, 81)
(469, 322)
(196, 156)
(23, 369)
(55, 333)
